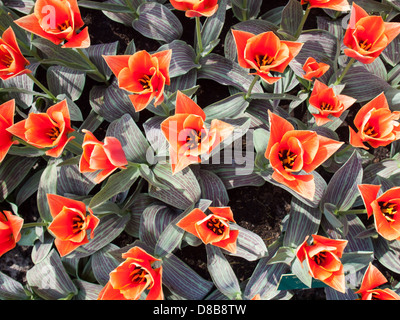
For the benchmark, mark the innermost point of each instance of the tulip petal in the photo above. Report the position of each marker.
(186, 105)
(117, 63)
(57, 203)
(188, 222)
(241, 38)
(369, 194)
(79, 40)
(278, 127)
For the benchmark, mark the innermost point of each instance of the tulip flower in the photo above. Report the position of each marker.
(377, 125)
(142, 74)
(57, 21)
(7, 110)
(383, 208)
(322, 258)
(264, 53)
(188, 136)
(314, 69)
(291, 151)
(196, 8)
(105, 156)
(10, 228)
(46, 130)
(372, 279)
(70, 223)
(133, 277)
(12, 62)
(213, 228)
(337, 5)
(367, 36)
(327, 103)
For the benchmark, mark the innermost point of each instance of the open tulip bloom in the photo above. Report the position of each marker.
(314, 69)
(70, 223)
(264, 53)
(327, 104)
(104, 157)
(46, 130)
(213, 228)
(291, 151)
(7, 110)
(142, 74)
(188, 136)
(57, 21)
(385, 209)
(133, 277)
(372, 279)
(10, 231)
(322, 257)
(12, 62)
(196, 8)
(367, 36)
(377, 125)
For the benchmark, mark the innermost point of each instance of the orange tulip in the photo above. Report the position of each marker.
(327, 103)
(264, 52)
(322, 258)
(384, 208)
(196, 8)
(46, 130)
(70, 223)
(105, 156)
(12, 62)
(367, 36)
(337, 5)
(314, 69)
(7, 110)
(57, 21)
(213, 228)
(133, 276)
(143, 74)
(291, 151)
(376, 124)
(372, 279)
(187, 134)
(10, 228)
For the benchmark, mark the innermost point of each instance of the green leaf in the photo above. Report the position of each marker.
(249, 245)
(116, 183)
(11, 289)
(86, 290)
(102, 263)
(63, 80)
(157, 22)
(213, 188)
(104, 6)
(387, 253)
(47, 185)
(213, 25)
(230, 107)
(50, 274)
(292, 15)
(222, 273)
(95, 53)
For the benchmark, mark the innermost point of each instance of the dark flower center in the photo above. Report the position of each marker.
(326, 106)
(138, 275)
(319, 258)
(77, 224)
(365, 45)
(54, 133)
(369, 130)
(388, 209)
(263, 61)
(145, 82)
(63, 26)
(216, 226)
(193, 138)
(287, 158)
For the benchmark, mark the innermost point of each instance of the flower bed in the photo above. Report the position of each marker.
(182, 150)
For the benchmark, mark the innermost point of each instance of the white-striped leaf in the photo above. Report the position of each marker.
(157, 22)
(124, 18)
(303, 221)
(213, 188)
(212, 27)
(42, 247)
(387, 253)
(222, 273)
(63, 80)
(251, 10)
(49, 279)
(133, 142)
(342, 189)
(102, 263)
(11, 289)
(71, 181)
(184, 281)
(86, 290)
(230, 107)
(96, 52)
(292, 15)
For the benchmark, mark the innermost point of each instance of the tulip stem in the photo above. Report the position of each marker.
(198, 36)
(302, 22)
(35, 224)
(93, 67)
(255, 79)
(42, 87)
(345, 71)
(355, 211)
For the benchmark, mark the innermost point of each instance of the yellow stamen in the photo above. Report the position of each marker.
(54, 133)
(138, 275)
(263, 61)
(365, 45)
(389, 210)
(326, 106)
(287, 158)
(145, 82)
(369, 130)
